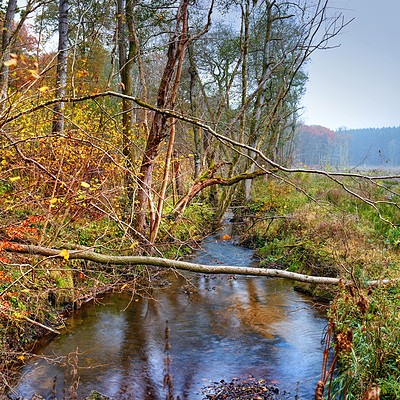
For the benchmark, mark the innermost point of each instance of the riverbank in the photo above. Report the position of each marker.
(37, 292)
(331, 233)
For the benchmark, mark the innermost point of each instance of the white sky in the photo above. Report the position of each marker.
(358, 84)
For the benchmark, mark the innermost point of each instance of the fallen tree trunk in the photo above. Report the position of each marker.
(89, 255)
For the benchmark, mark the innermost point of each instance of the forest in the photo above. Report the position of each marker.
(128, 129)
(355, 148)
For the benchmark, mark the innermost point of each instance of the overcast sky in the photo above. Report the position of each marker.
(358, 84)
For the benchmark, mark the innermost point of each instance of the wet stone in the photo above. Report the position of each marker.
(245, 389)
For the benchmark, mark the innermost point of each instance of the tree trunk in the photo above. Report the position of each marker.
(193, 108)
(157, 219)
(259, 103)
(87, 254)
(127, 52)
(157, 130)
(178, 175)
(62, 61)
(5, 51)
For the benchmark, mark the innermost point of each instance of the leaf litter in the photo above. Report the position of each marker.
(245, 389)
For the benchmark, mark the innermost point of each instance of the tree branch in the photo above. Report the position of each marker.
(209, 180)
(183, 265)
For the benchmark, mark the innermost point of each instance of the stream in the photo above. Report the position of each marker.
(221, 327)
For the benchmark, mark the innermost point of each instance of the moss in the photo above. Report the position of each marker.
(64, 280)
(321, 293)
(95, 395)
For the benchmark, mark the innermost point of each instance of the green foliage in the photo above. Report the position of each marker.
(394, 237)
(193, 225)
(270, 197)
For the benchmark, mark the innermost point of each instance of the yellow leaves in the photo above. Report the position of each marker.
(64, 253)
(23, 59)
(11, 63)
(21, 358)
(52, 201)
(82, 73)
(96, 91)
(43, 89)
(34, 73)
(15, 178)
(85, 185)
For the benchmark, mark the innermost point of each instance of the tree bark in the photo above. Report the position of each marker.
(193, 107)
(178, 175)
(157, 131)
(157, 219)
(5, 50)
(127, 52)
(260, 99)
(62, 61)
(89, 255)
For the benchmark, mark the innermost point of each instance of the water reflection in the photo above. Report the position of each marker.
(220, 328)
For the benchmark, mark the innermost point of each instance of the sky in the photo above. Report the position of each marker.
(357, 85)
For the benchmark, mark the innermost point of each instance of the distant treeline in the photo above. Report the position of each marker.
(371, 147)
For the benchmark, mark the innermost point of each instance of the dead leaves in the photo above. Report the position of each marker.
(12, 62)
(245, 389)
(319, 391)
(372, 393)
(64, 253)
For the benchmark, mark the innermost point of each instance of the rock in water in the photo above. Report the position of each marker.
(95, 395)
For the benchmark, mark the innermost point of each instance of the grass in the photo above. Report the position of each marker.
(372, 317)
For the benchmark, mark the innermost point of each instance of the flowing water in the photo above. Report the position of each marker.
(221, 327)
